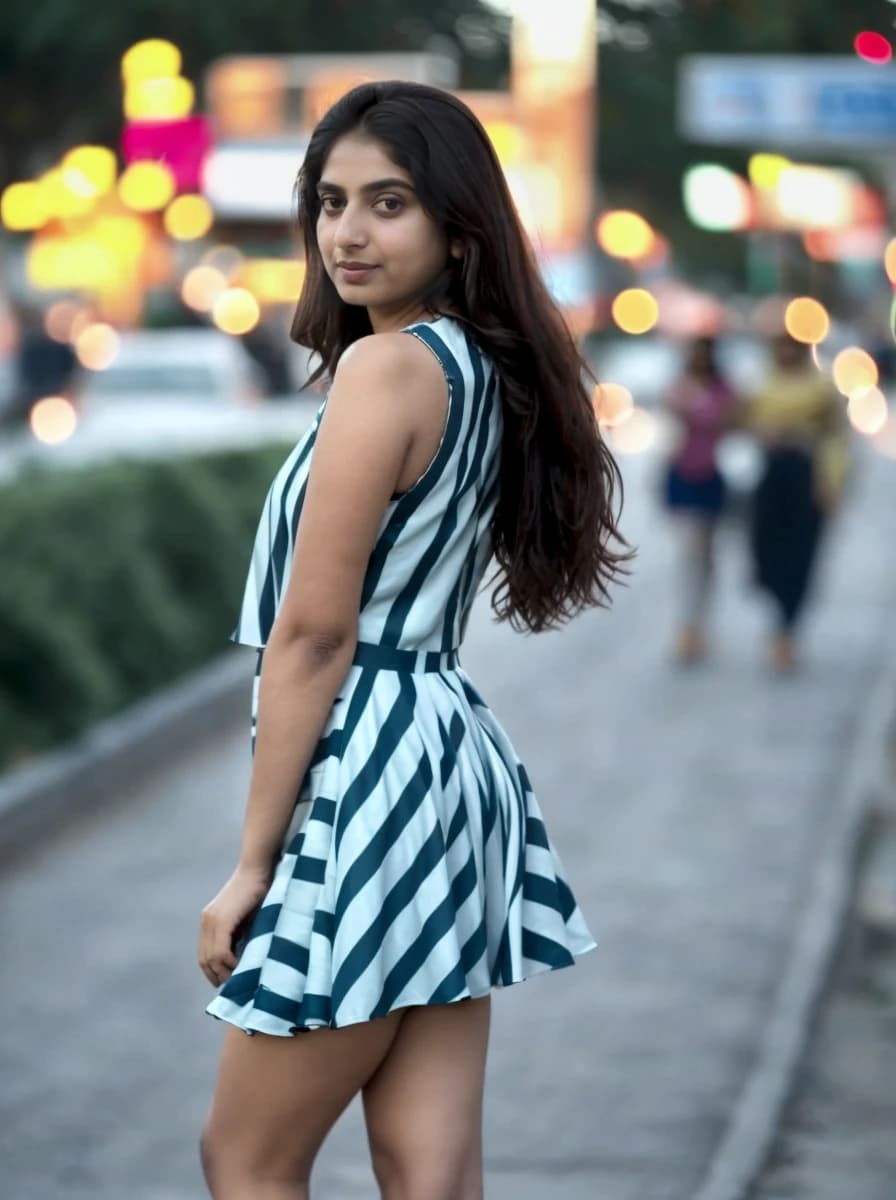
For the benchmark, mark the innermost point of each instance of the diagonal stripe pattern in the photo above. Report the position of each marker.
(417, 868)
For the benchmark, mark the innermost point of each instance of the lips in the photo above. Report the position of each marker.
(355, 266)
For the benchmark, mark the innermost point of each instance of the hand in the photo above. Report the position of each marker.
(238, 898)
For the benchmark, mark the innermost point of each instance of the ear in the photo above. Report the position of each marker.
(456, 248)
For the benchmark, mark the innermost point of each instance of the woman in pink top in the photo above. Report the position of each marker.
(703, 405)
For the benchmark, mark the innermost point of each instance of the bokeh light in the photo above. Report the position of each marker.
(867, 410)
(273, 280)
(613, 404)
(96, 164)
(59, 319)
(23, 207)
(64, 193)
(188, 217)
(715, 198)
(634, 435)
(201, 287)
(507, 138)
(765, 169)
(146, 186)
(635, 310)
(236, 311)
(159, 99)
(806, 320)
(153, 58)
(853, 369)
(624, 234)
(873, 47)
(890, 261)
(96, 346)
(53, 420)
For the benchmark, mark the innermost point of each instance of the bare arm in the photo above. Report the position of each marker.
(366, 434)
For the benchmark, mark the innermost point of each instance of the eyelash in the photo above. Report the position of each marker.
(391, 212)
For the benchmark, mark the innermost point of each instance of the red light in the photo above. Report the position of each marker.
(873, 47)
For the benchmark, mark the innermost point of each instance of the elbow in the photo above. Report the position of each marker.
(319, 645)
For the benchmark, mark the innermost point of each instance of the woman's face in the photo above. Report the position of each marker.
(378, 245)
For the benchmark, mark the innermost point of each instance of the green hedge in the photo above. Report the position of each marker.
(116, 580)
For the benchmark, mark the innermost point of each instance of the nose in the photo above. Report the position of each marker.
(351, 229)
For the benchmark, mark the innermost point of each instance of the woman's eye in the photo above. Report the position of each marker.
(329, 204)
(389, 204)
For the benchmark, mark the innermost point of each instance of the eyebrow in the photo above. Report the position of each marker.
(376, 186)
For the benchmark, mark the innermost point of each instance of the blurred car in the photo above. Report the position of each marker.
(155, 367)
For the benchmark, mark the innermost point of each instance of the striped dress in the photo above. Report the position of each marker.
(416, 869)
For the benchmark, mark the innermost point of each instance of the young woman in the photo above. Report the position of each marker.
(394, 865)
(702, 404)
(800, 422)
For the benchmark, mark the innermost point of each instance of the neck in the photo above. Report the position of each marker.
(392, 319)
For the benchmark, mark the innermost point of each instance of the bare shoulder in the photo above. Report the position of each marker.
(397, 363)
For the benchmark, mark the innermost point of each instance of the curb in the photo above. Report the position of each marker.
(750, 1134)
(99, 767)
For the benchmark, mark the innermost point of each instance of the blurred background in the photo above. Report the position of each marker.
(710, 190)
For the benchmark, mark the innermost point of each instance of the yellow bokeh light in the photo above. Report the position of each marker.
(765, 169)
(635, 435)
(97, 346)
(867, 410)
(853, 369)
(236, 311)
(56, 263)
(624, 234)
(59, 319)
(635, 310)
(272, 280)
(96, 164)
(146, 186)
(508, 140)
(188, 217)
(201, 288)
(23, 207)
(613, 404)
(159, 99)
(67, 193)
(153, 58)
(53, 420)
(806, 320)
(890, 261)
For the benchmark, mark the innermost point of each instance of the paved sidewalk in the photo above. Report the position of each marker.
(688, 807)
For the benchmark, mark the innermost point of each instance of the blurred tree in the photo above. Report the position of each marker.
(641, 157)
(59, 59)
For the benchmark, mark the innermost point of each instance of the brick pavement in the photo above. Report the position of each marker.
(688, 808)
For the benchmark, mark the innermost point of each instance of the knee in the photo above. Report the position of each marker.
(424, 1176)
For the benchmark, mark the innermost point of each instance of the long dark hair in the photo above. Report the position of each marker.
(555, 519)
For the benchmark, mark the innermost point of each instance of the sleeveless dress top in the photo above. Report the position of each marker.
(417, 868)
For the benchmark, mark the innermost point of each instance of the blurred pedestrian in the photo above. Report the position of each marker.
(799, 420)
(394, 865)
(42, 365)
(703, 405)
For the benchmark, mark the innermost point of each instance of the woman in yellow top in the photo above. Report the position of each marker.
(799, 419)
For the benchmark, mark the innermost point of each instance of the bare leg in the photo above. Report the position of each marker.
(424, 1105)
(698, 534)
(277, 1098)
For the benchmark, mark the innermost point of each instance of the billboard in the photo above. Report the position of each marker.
(772, 100)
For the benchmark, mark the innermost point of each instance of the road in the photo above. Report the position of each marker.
(687, 807)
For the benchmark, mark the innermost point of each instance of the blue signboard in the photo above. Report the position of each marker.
(787, 101)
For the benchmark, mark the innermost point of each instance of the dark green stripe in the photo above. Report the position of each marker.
(324, 924)
(541, 949)
(291, 954)
(365, 949)
(323, 810)
(310, 870)
(539, 890)
(268, 599)
(241, 985)
(396, 725)
(474, 948)
(451, 988)
(535, 833)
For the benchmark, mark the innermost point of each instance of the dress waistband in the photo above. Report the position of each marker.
(390, 658)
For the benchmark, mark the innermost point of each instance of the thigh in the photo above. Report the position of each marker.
(276, 1098)
(423, 1106)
